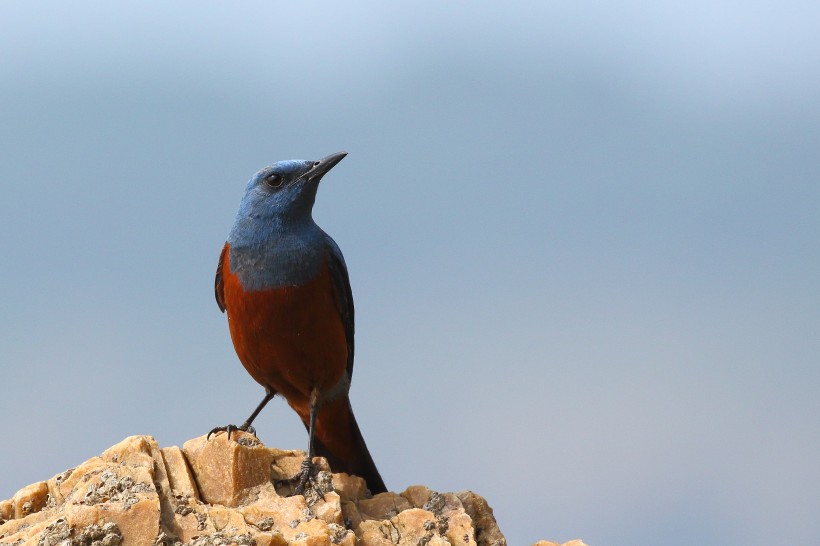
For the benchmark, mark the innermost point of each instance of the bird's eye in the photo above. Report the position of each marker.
(316, 163)
(274, 181)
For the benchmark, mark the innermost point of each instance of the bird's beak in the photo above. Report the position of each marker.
(321, 167)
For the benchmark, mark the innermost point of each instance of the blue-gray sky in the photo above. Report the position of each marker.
(584, 244)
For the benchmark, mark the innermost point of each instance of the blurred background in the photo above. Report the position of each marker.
(583, 239)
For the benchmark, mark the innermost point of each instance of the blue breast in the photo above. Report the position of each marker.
(271, 257)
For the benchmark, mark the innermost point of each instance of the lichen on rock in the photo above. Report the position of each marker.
(59, 533)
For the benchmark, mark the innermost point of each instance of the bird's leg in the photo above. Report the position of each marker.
(307, 465)
(246, 426)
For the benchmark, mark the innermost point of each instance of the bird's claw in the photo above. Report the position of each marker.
(304, 475)
(245, 427)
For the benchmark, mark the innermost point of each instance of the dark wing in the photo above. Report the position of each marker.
(344, 295)
(219, 288)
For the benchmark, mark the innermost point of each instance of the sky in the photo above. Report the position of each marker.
(583, 241)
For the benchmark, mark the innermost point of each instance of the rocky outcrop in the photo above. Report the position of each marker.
(232, 493)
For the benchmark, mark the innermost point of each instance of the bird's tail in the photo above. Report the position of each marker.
(339, 440)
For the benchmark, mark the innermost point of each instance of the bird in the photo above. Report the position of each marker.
(284, 285)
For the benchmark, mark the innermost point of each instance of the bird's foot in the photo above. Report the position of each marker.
(304, 476)
(313, 481)
(245, 427)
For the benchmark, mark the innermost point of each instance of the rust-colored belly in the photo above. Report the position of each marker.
(290, 339)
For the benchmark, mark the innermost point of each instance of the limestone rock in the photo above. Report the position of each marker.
(486, 531)
(236, 492)
(29, 499)
(225, 469)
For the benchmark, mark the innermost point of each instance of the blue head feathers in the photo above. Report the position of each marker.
(275, 224)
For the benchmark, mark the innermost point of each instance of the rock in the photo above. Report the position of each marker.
(179, 473)
(236, 492)
(225, 469)
(486, 530)
(28, 500)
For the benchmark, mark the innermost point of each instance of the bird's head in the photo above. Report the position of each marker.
(286, 190)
